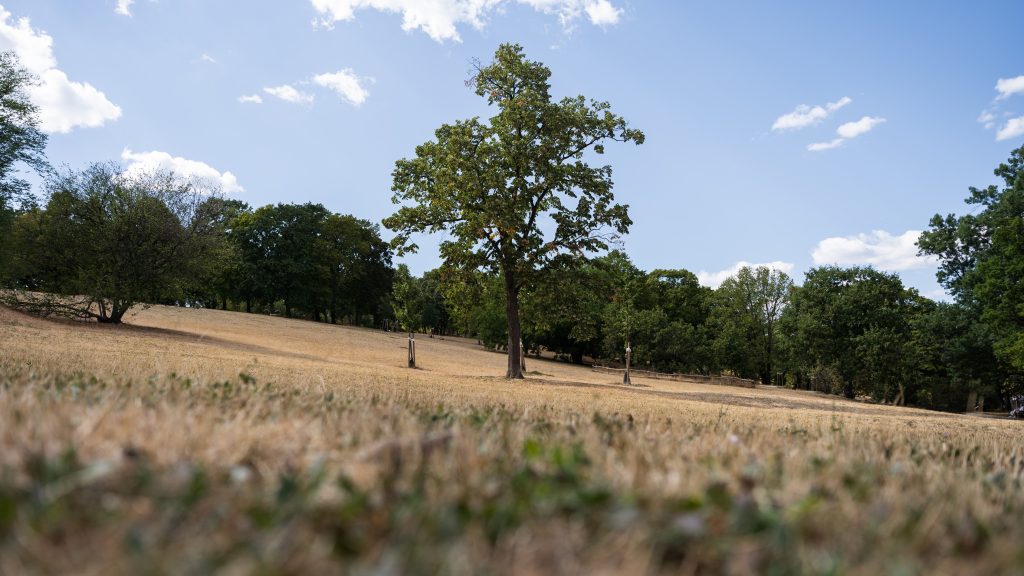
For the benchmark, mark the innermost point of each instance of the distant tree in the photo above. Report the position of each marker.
(359, 264)
(853, 322)
(515, 193)
(21, 143)
(108, 240)
(278, 242)
(957, 358)
(217, 277)
(436, 317)
(405, 298)
(626, 317)
(564, 310)
(750, 305)
(982, 257)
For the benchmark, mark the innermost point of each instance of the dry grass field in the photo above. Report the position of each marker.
(201, 441)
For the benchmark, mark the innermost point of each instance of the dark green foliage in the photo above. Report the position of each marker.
(327, 266)
(857, 323)
(21, 144)
(107, 240)
(982, 257)
(746, 312)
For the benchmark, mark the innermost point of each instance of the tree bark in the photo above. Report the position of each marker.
(515, 333)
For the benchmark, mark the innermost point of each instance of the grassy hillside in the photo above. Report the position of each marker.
(194, 441)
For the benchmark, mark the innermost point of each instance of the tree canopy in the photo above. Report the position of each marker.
(514, 193)
(107, 240)
(982, 256)
(21, 144)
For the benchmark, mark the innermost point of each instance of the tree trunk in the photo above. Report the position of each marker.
(515, 333)
(248, 305)
(117, 310)
(576, 356)
(848, 390)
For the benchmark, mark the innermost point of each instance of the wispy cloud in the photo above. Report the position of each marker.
(846, 132)
(805, 115)
(819, 146)
(1007, 87)
(344, 83)
(440, 19)
(208, 58)
(124, 7)
(1013, 128)
(862, 126)
(715, 279)
(877, 248)
(989, 118)
(288, 93)
(250, 99)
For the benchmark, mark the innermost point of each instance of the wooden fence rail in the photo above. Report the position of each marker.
(700, 378)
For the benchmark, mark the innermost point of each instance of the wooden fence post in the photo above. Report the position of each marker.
(625, 376)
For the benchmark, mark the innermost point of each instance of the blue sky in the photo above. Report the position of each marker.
(796, 133)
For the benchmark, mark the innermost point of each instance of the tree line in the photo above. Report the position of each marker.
(530, 223)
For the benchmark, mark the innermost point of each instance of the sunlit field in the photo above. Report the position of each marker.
(198, 441)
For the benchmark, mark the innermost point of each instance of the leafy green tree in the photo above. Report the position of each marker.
(279, 243)
(750, 305)
(404, 295)
(217, 276)
(108, 240)
(515, 193)
(982, 256)
(21, 143)
(564, 310)
(435, 316)
(958, 358)
(851, 322)
(353, 266)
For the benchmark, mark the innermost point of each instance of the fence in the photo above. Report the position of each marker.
(700, 378)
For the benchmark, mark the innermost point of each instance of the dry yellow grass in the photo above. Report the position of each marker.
(180, 463)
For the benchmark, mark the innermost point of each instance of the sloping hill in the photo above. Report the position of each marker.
(198, 441)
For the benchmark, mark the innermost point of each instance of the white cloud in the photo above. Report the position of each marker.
(250, 99)
(862, 126)
(346, 84)
(819, 146)
(63, 104)
(153, 161)
(715, 279)
(602, 13)
(208, 58)
(124, 7)
(846, 132)
(878, 248)
(987, 118)
(440, 19)
(289, 94)
(938, 295)
(1009, 86)
(1013, 128)
(804, 115)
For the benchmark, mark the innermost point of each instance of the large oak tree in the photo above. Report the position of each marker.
(514, 192)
